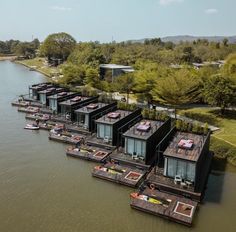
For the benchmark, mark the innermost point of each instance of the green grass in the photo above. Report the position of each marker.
(223, 142)
(227, 124)
(39, 64)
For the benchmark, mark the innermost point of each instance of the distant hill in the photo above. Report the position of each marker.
(177, 39)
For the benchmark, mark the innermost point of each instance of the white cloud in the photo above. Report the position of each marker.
(211, 11)
(168, 2)
(60, 8)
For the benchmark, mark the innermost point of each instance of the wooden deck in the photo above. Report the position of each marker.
(38, 116)
(120, 174)
(26, 104)
(167, 185)
(174, 208)
(89, 153)
(95, 142)
(127, 160)
(29, 109)
(74, 140)
(77, 129)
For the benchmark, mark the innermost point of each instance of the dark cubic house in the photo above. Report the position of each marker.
(131, 162)
(34, 90)
(142, 138)
(86, 115)
(179, 179)
(185, 164)
(44, 94)
(111, 126)
(69, 106)
(55, 99)
(111, 71)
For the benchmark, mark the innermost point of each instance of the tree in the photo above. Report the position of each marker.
(72, 74)
(225, 42)
(58, 46)
(177, 88)
(124, 83)
(219, 91)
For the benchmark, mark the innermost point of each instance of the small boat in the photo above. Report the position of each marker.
(31, 127)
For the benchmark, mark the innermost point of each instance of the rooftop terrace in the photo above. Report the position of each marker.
(143, 129)
(61, 95)
(187, 146)
(50, 90)
(91, 107)
(73, 101)
(40, 86)
(113, 117)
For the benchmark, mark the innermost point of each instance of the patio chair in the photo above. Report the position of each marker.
(177, 179)
(134, 156)
(106, 139)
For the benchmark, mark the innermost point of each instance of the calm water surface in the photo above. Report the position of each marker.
(41, 189)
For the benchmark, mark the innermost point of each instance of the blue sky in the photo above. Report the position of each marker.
(90, 20)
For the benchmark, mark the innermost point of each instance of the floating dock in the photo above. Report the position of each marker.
(70, 139)
(89, 153)
(171, 207)
(29, 109)
(120, 174)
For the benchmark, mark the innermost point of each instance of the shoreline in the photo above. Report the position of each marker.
(11, 58)
(34, 69)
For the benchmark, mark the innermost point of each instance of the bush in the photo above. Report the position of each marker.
(222, 149)
(202, 117)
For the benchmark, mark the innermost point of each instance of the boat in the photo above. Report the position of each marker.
(31, 127)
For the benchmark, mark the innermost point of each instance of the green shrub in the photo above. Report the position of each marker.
(222, 149)
(202, 117)
(145, 113)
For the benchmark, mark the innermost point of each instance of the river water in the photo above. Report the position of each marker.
(41, 189)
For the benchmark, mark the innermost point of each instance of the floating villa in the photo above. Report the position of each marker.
(111, 126)
(86, 115)
(181, 172)
(54, 100)
(138, 153)
(44, 94)
(69, 106)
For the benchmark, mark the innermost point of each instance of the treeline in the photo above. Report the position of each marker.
(16, 47)
(154, 79)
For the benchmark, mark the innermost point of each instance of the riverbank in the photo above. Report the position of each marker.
(2, 58)
(40, 65)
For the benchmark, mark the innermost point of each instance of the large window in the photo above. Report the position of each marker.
(83, 119)
(178, 167)
(104, 131)
(53, 104)
(135, 146)
(43, 98)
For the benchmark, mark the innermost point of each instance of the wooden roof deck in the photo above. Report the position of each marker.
(70, 102)
(120, 174)
(167, 209)
(134, 132)
(109, 120)
(192, 154)
(86, 109)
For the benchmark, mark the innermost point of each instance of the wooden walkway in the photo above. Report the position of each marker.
(120, 174)
(172, 207)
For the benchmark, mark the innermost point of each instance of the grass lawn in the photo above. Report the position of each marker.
(226, 124)
(223, 142)
(39, 64)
